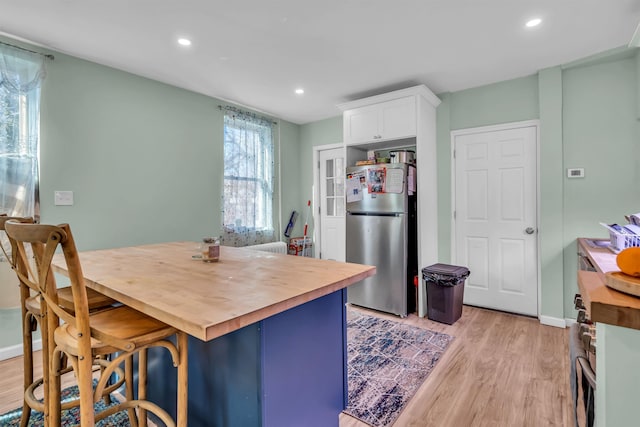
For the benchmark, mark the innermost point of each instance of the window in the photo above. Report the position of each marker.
(248, 179)
(20, 75)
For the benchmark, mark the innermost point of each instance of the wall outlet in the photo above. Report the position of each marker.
(575, 173)
(63, 198)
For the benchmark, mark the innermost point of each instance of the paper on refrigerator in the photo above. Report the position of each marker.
(353, 189)
(395, 181)
(411, 181)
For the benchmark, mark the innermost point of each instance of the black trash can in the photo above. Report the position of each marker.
(445, 290)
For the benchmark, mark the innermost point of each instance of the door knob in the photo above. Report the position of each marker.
(529, 230)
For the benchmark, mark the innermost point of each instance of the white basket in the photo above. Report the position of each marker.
(620, 241)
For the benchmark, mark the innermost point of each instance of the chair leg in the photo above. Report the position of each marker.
(51, 366)
(142, 384)
(590, 418)
(84, 375)
(27, 351)
(52, 387)
(183, 378)
(107, 397)
(128, 374)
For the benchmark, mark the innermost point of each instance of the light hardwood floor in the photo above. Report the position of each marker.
(502, 370)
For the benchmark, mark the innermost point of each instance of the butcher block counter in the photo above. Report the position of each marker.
(604, 304)
(267, 332)
(617, 318)
(207, 300)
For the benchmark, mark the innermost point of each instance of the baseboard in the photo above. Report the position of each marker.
(16, 350)
(569, 322)
(553, 321)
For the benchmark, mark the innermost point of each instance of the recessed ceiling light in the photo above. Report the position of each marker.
(184, 42)
(533, 22)
(300, 91)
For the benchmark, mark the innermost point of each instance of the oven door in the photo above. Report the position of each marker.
(584, 263)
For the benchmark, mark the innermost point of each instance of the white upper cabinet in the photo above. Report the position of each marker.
(394, 119)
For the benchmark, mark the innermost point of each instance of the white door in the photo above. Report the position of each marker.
(332, 209)
(496, 217)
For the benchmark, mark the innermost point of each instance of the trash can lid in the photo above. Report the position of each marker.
(446, 269)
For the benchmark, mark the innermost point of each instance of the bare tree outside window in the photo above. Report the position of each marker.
(21, 73)
(248, 179)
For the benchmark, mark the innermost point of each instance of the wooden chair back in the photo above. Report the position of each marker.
(121, 330)
(25, 290)
(3, 219)
(44, 240)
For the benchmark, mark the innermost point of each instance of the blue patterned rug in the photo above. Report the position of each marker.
(69, 417)
(387, 363)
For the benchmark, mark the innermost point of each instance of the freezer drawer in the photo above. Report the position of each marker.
(379, 240)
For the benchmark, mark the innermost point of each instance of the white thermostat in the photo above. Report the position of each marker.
(575, 173)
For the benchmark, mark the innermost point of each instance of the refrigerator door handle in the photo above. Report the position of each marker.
(374, 214)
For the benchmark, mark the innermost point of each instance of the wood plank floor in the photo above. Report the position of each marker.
(501, 370)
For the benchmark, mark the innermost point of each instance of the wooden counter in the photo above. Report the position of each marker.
(207, 300)
(604, 304)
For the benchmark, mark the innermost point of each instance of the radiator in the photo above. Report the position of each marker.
(275, 247)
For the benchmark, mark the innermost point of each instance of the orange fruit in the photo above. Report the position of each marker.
(628, 261)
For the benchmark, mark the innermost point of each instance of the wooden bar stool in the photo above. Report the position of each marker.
(84, 335)
(32, 315)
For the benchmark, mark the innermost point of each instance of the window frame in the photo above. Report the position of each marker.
(259, 138)
(27, 110)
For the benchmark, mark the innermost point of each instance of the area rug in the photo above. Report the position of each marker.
(70, 417)
(387, 363)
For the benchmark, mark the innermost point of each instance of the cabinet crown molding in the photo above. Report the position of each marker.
(421, 90)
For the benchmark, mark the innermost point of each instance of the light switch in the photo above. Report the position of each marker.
(63, 198)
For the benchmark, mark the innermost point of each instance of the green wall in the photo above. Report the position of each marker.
(551, 173)
(443, 153)
(323, 132)
(600, 134)
(504, 102)
(143, 159)
(290, 168)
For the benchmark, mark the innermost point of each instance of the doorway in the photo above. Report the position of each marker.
(495, 206)
(330, 178)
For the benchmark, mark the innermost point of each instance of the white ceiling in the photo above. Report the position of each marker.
(256, 52)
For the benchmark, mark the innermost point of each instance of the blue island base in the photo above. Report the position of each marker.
(288, 370)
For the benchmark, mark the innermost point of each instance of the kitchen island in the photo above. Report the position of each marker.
(267, 332)
(617, 318)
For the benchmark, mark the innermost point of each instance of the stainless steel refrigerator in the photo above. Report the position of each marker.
(381, 231)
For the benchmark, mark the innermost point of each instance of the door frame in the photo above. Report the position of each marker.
(317, 222)
(494, 128)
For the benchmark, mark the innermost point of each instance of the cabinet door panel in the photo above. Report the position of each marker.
(398, 118)
(361, 124)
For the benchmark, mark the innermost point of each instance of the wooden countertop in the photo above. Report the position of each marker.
(604, 304)
(208, 300)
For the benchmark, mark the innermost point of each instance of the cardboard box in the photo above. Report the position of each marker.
(298, 244)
